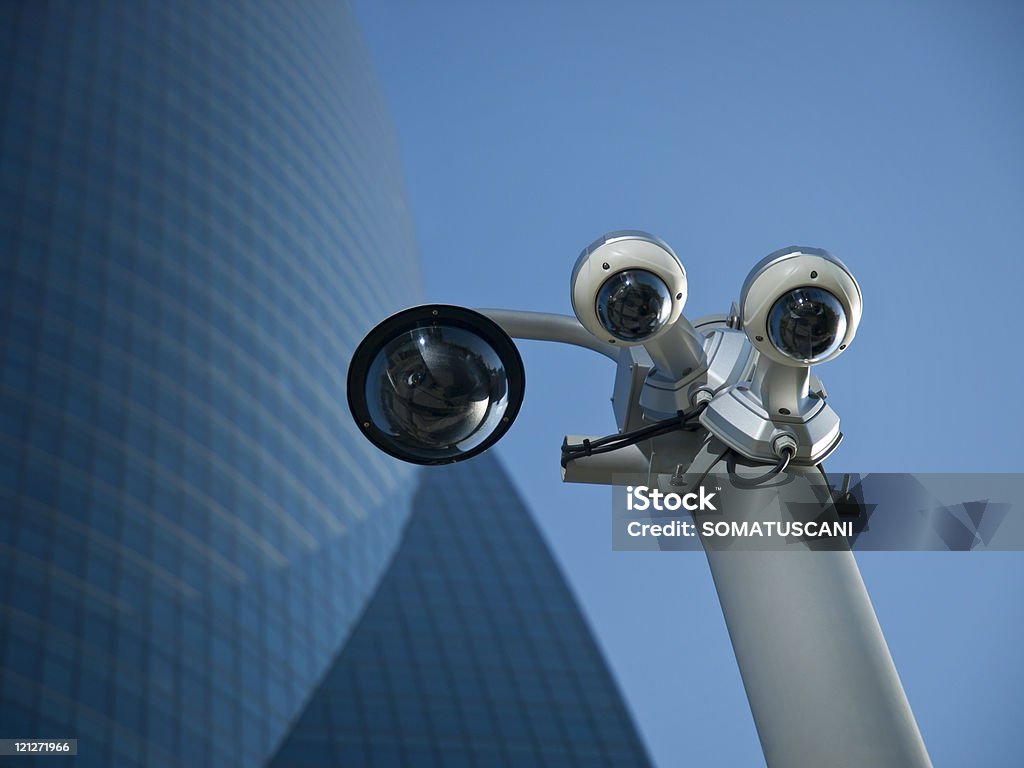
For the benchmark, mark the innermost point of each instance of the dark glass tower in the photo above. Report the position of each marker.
(200, 215)
(472, 652)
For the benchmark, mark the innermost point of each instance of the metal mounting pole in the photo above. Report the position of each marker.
(818, 674)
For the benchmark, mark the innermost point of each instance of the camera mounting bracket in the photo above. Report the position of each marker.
(737, 417)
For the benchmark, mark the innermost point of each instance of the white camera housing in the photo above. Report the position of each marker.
(618, 252)
(786, 270)
(781, 407)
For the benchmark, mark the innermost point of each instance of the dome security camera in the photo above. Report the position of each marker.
(628, 287)
(798, 307)
(435, 384)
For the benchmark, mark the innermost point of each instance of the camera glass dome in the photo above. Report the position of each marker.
(435, 384)
(807, 324)
(634, 304)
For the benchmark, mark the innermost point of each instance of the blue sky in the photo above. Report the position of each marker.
(888, 133)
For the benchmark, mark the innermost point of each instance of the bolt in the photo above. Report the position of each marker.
(677, 476)
(782, 443)
(702, 395)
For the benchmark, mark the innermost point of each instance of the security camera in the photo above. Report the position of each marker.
(435, 384)
(628, 287)
(798, 307)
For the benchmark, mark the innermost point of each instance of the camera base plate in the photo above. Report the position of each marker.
(736, 417)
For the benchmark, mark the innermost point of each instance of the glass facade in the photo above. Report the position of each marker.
(472, 652)
(200, 215)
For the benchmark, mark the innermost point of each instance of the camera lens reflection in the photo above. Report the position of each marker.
(807, 324)
(437, 388)
(633, 304)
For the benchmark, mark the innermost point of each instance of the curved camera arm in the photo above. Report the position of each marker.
(544, 326)
(678, 354)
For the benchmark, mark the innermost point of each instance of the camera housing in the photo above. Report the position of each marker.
(628, 287)
(812, 276)
(435, 384)
(798, 307)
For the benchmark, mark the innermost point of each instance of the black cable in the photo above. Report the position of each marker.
(588, 447)
(787, 456)
(611, 443)
(751, 482)
(614, 442)
(633, 436)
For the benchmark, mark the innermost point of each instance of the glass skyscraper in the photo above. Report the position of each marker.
(472, 652)
(201, 213)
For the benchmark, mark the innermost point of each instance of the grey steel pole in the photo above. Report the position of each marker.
(818, 674)
(821, 682)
